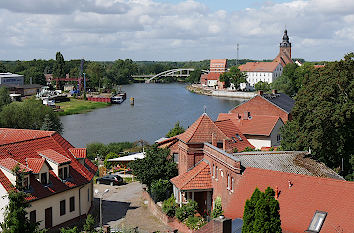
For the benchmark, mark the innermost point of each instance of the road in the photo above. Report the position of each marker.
(123, 207)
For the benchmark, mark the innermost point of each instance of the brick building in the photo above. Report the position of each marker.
(211, 168)
(58, 178)
(217, 67)
(275, 104)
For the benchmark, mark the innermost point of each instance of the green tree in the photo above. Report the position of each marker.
(262, 86)
(96, 73)
(35, 74)
(261, 213)
(234, 76)
(2, 68)
(4, 97)
(30, 114)
(69, 230)
(15, 217)
(110, 155)
(178, 129)
(160, 189)
(156, 165)
(217, 210)
(59, 67)
(89, 226)
(323, 115)
(194, 76)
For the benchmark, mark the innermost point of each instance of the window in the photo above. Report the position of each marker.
(72, 204)
(232, 184)
(25, 183)
(278, 137)
(62, 207)
(33, 217)
(228, 182)
(216, 172)
(213, 170)
(66, 173)
(61, 173)
(175, 157)
(44, 178)
(317, 221)
(234, 139)
(239, 137)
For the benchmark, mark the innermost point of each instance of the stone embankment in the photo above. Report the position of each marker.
(197, 88)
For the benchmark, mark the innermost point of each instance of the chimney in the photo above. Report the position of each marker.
(245, 115)
(275, 91)
(224, 144)
(260, 92)
(238, 116)
(276, 192)
(290, 184)
(213, 140)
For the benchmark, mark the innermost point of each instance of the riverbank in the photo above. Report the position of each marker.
(197, 88)
(76, 106)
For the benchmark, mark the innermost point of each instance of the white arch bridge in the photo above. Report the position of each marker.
(182, 72)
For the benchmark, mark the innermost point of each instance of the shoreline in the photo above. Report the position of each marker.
(198, 89)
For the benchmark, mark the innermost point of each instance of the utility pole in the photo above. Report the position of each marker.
(237, 54)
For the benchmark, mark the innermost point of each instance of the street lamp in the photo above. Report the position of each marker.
(101, 196)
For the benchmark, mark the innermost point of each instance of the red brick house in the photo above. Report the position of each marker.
(211, 169)
(275, 104)
(217, 67)
(58, 178)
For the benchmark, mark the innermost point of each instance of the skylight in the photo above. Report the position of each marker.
(239, 137)
(317, 221)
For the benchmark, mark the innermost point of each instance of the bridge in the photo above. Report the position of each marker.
(182, 72)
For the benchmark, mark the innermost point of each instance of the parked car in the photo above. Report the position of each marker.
(110, 179)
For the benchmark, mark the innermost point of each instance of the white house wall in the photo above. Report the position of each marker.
(259, 141)
(4, 201)
(54, 202)
(276, 132)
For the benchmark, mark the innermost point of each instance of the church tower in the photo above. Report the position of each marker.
(284, 56)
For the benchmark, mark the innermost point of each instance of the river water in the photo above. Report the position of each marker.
(157, 108)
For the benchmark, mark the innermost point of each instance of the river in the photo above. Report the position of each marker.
(157, 108)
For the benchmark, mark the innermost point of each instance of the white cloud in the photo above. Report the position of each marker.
(149, 30)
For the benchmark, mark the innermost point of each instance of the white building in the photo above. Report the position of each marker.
(261, 71)
(57, 177)
(11, 79)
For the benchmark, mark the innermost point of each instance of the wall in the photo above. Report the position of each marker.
(259, 141)
(226, 166)
(275, 132)
(10, 176)
(4, 201)
(234, 94)
(260, 106)
(54, 202)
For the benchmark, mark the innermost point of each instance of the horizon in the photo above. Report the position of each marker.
(175, 30)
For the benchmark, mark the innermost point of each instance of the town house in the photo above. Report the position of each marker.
(58, 178)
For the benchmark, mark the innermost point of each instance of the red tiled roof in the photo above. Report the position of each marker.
(78, 153)
(197, 178)
(257, 125)
(319, 66)
(231, 131)
(35, 164)
(5, 182)
(15, 135)
(9, 164)
(299, 202)
(259, 66)
(201, 131)
(54, 156)
(212, 76)
(29, 148)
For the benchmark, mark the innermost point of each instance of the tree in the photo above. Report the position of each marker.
(30, 114)
(234, 76)
(178, 129)
(194, 76)
(261, 213)
(217, 210)
(35, 74)
(156, 165)
(2, 68)
(262, 86)
(4, 97)
(89, 226)
(15, 218)
(110, 155)
(322, 117)
(59, 67)
(160, 190)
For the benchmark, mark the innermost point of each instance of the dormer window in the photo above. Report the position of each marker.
(25, 183)
(44, 179)
(63, 173)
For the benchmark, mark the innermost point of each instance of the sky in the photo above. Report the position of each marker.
(174, 30)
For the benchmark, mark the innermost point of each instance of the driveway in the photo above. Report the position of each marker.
(123, 207)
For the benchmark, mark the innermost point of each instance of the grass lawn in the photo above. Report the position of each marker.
(75, 106)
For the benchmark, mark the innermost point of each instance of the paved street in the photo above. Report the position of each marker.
(123, 207)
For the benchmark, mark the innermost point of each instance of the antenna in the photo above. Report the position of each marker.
(204, 109)
(237, 55)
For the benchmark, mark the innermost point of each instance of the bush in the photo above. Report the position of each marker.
(169, 206)
(89, 224)
(111, 155)
(217, 211)
(186, 210)
(160, 190)
(194, 223)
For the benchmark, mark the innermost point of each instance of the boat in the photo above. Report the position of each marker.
(118, 99)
